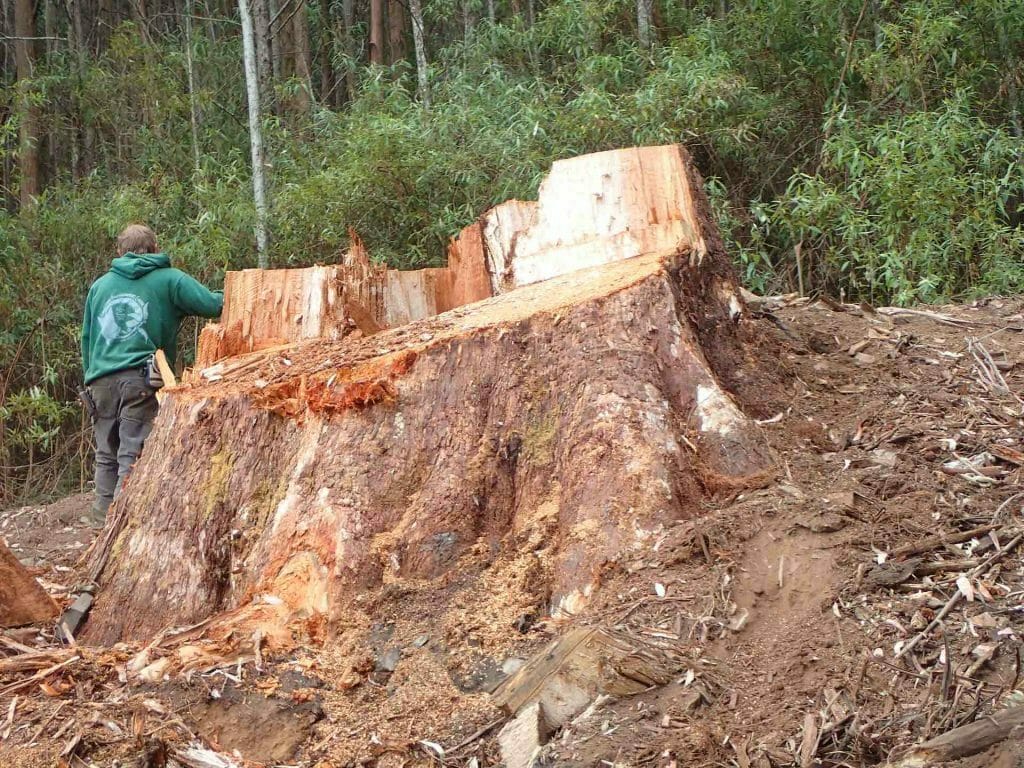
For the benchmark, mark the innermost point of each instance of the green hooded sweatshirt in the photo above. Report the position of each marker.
(135, 309)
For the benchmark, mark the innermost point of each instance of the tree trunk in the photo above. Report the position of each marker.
(645, 22)
(282, 32)
(22, 600)
(328, 80)
(28, 143)
(140, 15)
(264, 62)
(303, 56)
(376, 31)
(252, 88)
(82, 150)
(104, 22)
(491, 15)
(274, 41)
(50, 26)
(549, 416)
(419, 43)
(396, 30)
(348, 17)
(193, 101)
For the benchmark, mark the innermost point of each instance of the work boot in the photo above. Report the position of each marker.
(96, 519)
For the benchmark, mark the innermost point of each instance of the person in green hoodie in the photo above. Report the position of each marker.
(130, 312)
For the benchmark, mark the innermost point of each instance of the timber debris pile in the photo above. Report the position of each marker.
(576, 499)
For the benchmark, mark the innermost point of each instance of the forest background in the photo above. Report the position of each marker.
(869, 149)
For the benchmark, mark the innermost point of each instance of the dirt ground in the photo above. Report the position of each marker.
(805, 616)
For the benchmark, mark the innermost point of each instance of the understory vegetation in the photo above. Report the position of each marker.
(865, 149)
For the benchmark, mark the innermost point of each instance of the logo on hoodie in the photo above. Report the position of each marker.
(122, 317)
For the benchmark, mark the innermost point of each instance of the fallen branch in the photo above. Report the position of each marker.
(938, 317)
(931, 542)
(966, 740)
(41, 675)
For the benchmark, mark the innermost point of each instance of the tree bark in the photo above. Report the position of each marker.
(22, 600)
(645, 22)
(549, 416)
(28, 142)
(328, 80)
(255, 133)
(419, 43)
(396, 31)
(104, 22)
(264, 62)
(193, 100)
(140, 15)
(274, 41)
(348, 17)
(50, 26)
(967, 740)
(376, 31)
(303, 56)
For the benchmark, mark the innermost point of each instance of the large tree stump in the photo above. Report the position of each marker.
(22, 600)
(589, 407)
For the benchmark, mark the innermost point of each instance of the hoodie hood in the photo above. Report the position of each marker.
(135, 265)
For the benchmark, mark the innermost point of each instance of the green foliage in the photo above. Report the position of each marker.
(883, 138)
(912, 209)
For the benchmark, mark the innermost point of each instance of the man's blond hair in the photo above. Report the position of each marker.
(136, 238)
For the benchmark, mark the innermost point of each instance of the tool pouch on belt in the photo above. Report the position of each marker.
(153, 376)
(87, 402)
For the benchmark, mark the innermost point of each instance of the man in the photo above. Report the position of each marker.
(130, 312)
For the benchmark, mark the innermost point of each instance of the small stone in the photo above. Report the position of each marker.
(389, 661)
(421, 641)
(512, 665)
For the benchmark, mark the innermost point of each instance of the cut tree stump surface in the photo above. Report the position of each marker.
(400, 450)
(594, 404)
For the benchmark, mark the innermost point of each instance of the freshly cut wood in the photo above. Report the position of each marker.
(268, 307)
(967, 740)
(570, 672)
(576, 417)
(22, 600)
(521, 739)
(411, 295)
(599, 208)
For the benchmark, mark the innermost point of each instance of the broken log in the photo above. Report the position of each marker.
(573, 670)
(22, 600)
(967, 740)
(589, 411)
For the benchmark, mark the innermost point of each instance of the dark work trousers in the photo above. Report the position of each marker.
(125, 408)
